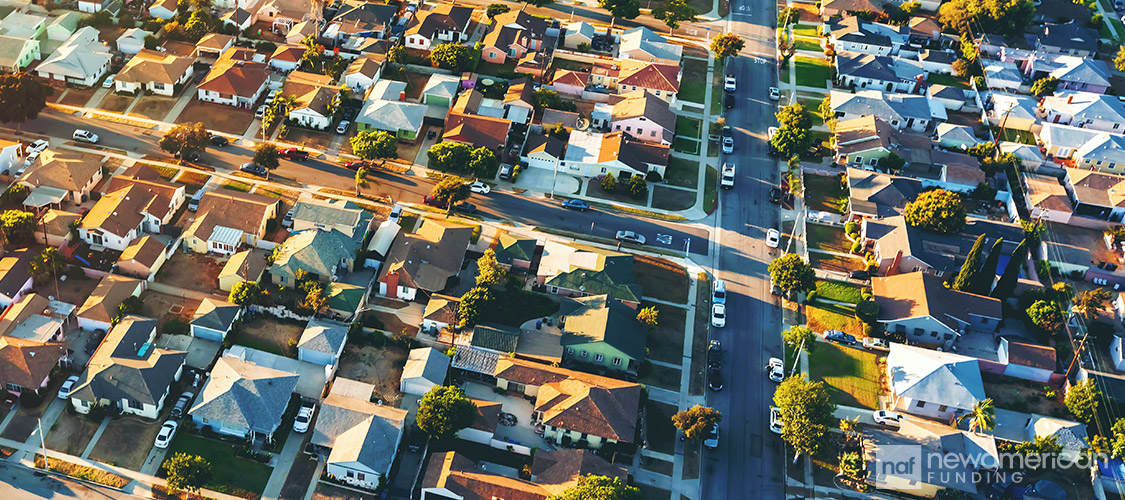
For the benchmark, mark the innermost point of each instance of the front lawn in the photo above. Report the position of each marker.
(813, 72)
(808, 30)
(514, 307)
(229, 474)
(828, 238)
(947, 80)
(661, 279)
(834, 262)
(681, 172)
(669, 198)
(825, 193)
(809, 44)
(666, 341)
(693, 85)
(217, 117)
(688, 127)
(1013, 135)
(840, 291)
(685, 146)
(823, 316)
(852, 375)
(711, 190)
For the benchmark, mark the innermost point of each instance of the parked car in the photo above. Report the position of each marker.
(295, 154)
(719, 292)
(718, 315)
(776, 369)
(480, 188)
(728, 139)
(67, 386)
(727, 179)
(728, 101)
(715, 353)
(108, 82)
(839, 337)
(287, 221)
(772, 150)
(887, 418)
(190, 156)
(349, 114)
(859, 275)
(711, 440)
(261, 111)
(631, 237)
(396, 214)
(876, 344)
(770, 132)
(355, 164)
(31, 157)
(182, 404)
(465, 208)
(81, 135)
(729, 83)
(433, 202)
(167, 431)
(253, 168)
(775, 420)
(304, 417)
(342, 128)
(715, 377)
(580, 205)
(38, 146)
(775, 94)
(95, 341)
(218, 141)
(505, 171)
(773, 238)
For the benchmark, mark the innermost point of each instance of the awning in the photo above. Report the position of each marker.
(44, 195)
(229, 236)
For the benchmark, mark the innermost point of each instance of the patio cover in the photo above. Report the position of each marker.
(44, 195)
(226, 235)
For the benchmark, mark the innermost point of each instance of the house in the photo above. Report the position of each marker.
(570, 82)
(1095, 194)
(243, 399)
(239, 18)
(122, 216)
(513, 35)
(142, 258)
(363, 72)
(892, 74)
(286, 58)
(902, 248)
(1029, 156)
(1073, 72)
(663, 80)
(14, 278)
(1069, 38)
(322, 342)
(425, 369)
(401, 118)
(515, 252)
(642, 44)
(99, 309)
(213, 45)
(81, 60)
(11, 155)
(591, 154)
(830, 8)
(543, 344)
(920, 307)
(519, 101)
(476, 130)
(576, 409)
(937, 61)
(63, 26)
(1014, 111)
(247, 265)
(577, 34)
(1047, 199)
(446, 23)
(1085, 110)
(289, 16)
(357, 21)
(1095, 151)
(863, 142)
(878, 195)
(344, 300)
(575, 270)
(951, 136)
(227, 219)
(440, 312)
(932, 384)
(951, 98)
(27, 364)
(1003, 75)
(900, 111)
(603, 332)
(939, 458)
(234, 81)
(543, 151)
(127, 373)
(1026, 361)
(325, 254)
(20, 36)
(854, 35)
(92, 6)
(35, 318)
(214, 319)
(452, 475)
(314, 97)
(440, 90)
(424, 260)
(300, 31)
(149, 180)
(341, 215)
(54, 227)
(61, 177)
(154, 71)
(553, 117)
(644, 117)
(361, 438)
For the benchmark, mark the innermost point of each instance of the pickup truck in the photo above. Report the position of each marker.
(727, 180)
(876, 344)
(294, 154)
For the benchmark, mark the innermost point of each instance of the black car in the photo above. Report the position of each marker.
(182, 404)
(252, 168)
(95, 341)
(715, 354)
(728, 101)
(775, 195)
(218, 141)
(715, 378)
(190, 156)
(465, 208)
(349, 114)
(773, 152)
(839, 337)
(859, 275)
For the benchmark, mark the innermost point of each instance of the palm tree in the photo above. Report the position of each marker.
(982, 416)
(360, 180)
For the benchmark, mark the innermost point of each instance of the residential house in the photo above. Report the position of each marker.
(900, 111)
(394, 114)
(1069, 38)
(81, 60)
(314, 96)
(1014, 111)
(892, 74)
(519, 101)
(214, 319)
(577, 34)
(951, 98)
(27, 364)
(1095, 194)
(1026, 361)
(515, 253)
(662, 80)
(445, 23)
(452, 475)
(20, 37)
(287, 16)
(228, 219)
(1085, 110)
(142, 258)
(355, 22)
(877, 195)
(1087, 149)
(132, 41)
(239, 18)
(854, 35)
(235, 79)
(543, 151)
(568, 119)
(11, 155)
(902, 248)
(100, 308)
(440, 90)
(425, 369)
(642, 44)
(63, 26)
(341, 215)
(863, 142)
(440, 312)
(300, 31)
(213, 45)
(945, 458)
(845, 8)
(424, 260)
(322, 342)
(127, 373)
(287, 58)
(344, 300)
(1046, 199)
(575, 270)
(920, 307)
(360, 438)
(576, 409)
(14, 278)
(937, 61)
(1029, 156)
(591, 154)
(149, 180)
(1073, 72)
(122, 216)
(163, 9)
(932, 384)
(243, 399)
(951, 136)
(247, 265)
(325, 254)
(1003, 75)
(61, 177)
(603, 332)
(54, 227)
(543, 344)
(91, 6)
(570, 82)
(476, 130)
(363, 72)
(513, 35)
(154, 71)
(644, 117)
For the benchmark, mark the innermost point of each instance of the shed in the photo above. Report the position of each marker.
(213, 319)
(322, 342)
(425, 368)
(1026, 361)
(132, 41)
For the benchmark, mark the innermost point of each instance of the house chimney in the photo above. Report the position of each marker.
(402, 96)
(1069, 98)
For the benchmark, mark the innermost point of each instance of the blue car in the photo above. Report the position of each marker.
(576, 205)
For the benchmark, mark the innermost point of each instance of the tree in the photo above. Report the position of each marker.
(827, 112)
(547, 98)
(450, 191)
(1003, 17)
(625, 9)
(131, 305)
(851, 465)
(1008, 280)
(449, 156)
(472, 305)
(1119, 59)
(24, 96)
(638, 187)
(1117, 444)
(196, 26)
(696, 422)
(397, 54)
(452, 56)
(792, 274)
(1099, 445)
(1045, 86)
(982, 150)
(1041, 445)
(245, 293)
(673, 12)
(794, 116)
(539, 3)
(46, 265)
(1082, 400)
(648, 316)
(1046, 315)
(444, 410)
(968, 274)
(981, 417)
(987, 274)
(867, 311)
(791, 141)
(18, 225)
(496, 9)
(267, 156)
(314, 300)
(807, 413)
(797, 335)
(1090, 302)
(489, 271)
(374, 145)
(187, 472)
(185, 138)
(360, 180)
(726, 45)
(609, 183)
(483, 162)
(937, 210)
(591, 487)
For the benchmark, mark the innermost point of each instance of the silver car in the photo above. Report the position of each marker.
(631, 237)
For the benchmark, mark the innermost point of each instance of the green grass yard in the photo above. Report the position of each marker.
(825, 193)
(686, 146)
(823, 316)
(829, 238)
(693, 86)
(852, 375)
(805, 43)
(1013, 135)
(813, 72)
(688, 127)
(682, 172)
(711, 190)
(813, 107)
(228, 472)
(947, 80)
(808, 30)
(836, 290)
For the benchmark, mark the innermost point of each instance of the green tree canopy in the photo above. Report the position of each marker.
(937, 210)
(790, 141)
(970, 267)
(982, 285)
(18, 225)
(696, 421)
(673, 12)
(648, 316)
(374, 144)
(794, 116)
(807, 413)
(625, 9)
(1117, 444)
(726, 45)
(451, 190)
(638, 187)
(867, 311)
(267, 155)
(452, 56)
(185, 138)
(1002, 17)
(981, 417)
(1046, 315)
(472, 304)
(792, 274)
(1045, 86)
(1007, 284)
(245, 293)
(444, 410)
(482, 162)
(1091, 302)
(489, 271)
(24, 96)
(797, 335)
(591, 487)
(187, 472)
(496, 9)
(46, 265)
(449, 156)
(1083, 399)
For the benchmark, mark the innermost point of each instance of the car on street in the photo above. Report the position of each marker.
(776, 369)
(465, 208)
(775, 196)
(218, 141)
(775, 94)
(727, 180)
(182, 404)
(190, 156)
(67, 386)
(770, 132)
(775, 420)
(728, 101)
(887, 418)
(167, 431)
(304, 417)
(773, 238)
(81, 135)
(480, 188)
(580, 205)
(860, 275)
(253, 168)
(295, 154)
(719, 292)
(355, 164)
(715, 377)
(839, 337)
(718, 315)
(261, 111)
(342, 128)
(38, 146)
(875, 344)
(108, 82)
(715, 353)
(396, 214)
(729, 83)
(630, 237)
(728, 139)
(711, 440)
(772, 150)
(433, 202)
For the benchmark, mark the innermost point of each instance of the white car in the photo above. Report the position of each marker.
(712, 439)
(719, 292)
(31, 157)
(876, 344)
(67, 386)
(730, 84)
(727, 179)
(480, 188)
(775, 420)
(773, 238)
(85, 136)
(728, 145)
(164, 438)
(38, 146)
(718, 315)
(108, 82)
(261, 111)
(631, 237)
(775, 94)
(303, 418)
(342, 128)
(776, 370)
(885, 417)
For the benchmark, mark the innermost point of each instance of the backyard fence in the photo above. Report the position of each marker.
(280, 312)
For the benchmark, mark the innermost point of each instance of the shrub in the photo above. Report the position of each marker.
(851, 228)
(811, 297)
(609, 183)
(857, 247)
(867, 311)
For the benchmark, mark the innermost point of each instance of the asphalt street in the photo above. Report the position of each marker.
(18, 482)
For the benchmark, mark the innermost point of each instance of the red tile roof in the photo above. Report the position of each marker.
(652, 76)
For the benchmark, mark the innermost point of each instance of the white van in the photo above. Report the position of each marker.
(719, 293)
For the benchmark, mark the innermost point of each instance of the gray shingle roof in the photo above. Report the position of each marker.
(359, 431)
(427, 363)
(322, 335)
(215, 314)
(243, 394)
(935, 377)
(127, 366)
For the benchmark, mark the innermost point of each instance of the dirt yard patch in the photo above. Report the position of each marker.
(191, 271)
(325, 491)
(154, 107)
(393, 325)
(126, 442)
(269, 334)
(71, 433)
(78, 288)
(77, 97)
(661, 279)
(116, 103)
(217, 117)
(381, 366)
(166, 307)
(23, 424)
(666, 341)
(310, 138)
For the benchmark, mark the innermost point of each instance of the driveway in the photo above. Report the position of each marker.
(539, 180)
